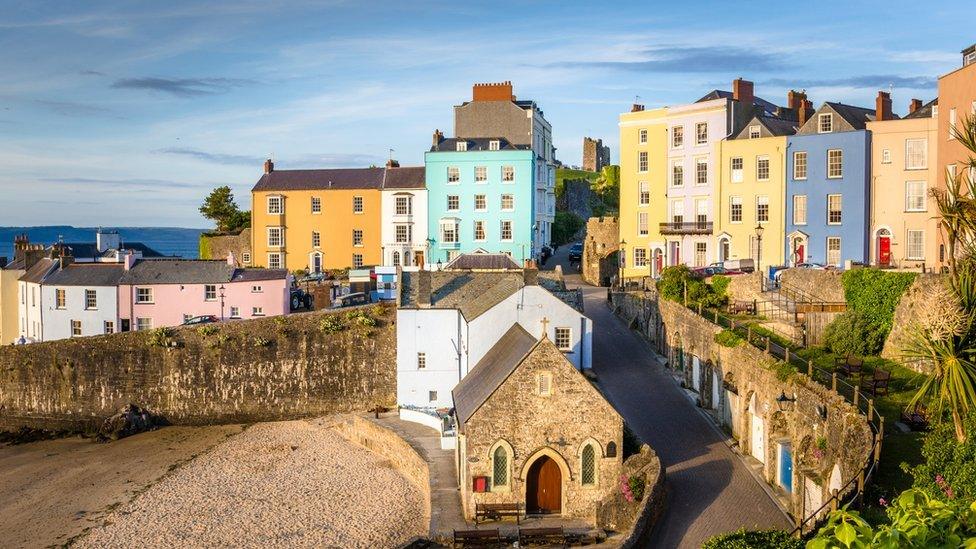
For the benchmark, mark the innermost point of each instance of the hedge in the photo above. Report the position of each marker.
(753, 539)
(875, 294)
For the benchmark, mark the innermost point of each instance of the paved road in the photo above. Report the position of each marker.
(710, 490)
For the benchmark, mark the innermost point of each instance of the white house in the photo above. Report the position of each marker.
(447, 320)
(81, 300)
(404, 218)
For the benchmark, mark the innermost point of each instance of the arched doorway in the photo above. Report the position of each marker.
(884, 247)
(724, 245)
(316, 262)
(798, 248)
(658, 262)
(544, 487)
(757, 446)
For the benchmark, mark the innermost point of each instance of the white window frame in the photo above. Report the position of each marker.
(402, 233)
(481, 174)
(404, 204)
(246, 258)
(640, 257)
(735, 201)
(797, 219)
(143, 324)
(75, 326)
(453, 175)
(642, 136)
(357, 261)
(508, 174)
(481, 199)
(446, 226)
(563, 334)
(358, 238)
(755, 131)
(544, 384)
(60, 298)
(736, 174)
(275, 260)
(886, 156)
(316, 205)
(759, 169)
(358, 205)
(642, 161)
(677, 137)
(257, 311)
(761, 202)
(461, 146)
(821, 119)
(494, 145)
(316, 239)
(699, 162)
(643, 224)
(840, 210)
(108, 327)
(840, 164)
(644, 193)
(701, 137)
(457, 202)
(923, 143)
(840, 249)
(421, 361)
(479, 226)
(917, 254)
(91, 300)
(511, 230)
(210, 292)
(797, 155)
(511, 199)
(144, 295)
(678, 165)
(916, 202)
(701, 253)
(276, 204)
(276, 237)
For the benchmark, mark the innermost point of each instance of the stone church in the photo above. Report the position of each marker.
(533, 430)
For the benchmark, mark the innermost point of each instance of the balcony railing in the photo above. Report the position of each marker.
(687, 227)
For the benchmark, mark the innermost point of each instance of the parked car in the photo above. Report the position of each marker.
(576, 252)
(202, 319)
(720, 269)
(348, 300)
(299, 298)
(742, 265)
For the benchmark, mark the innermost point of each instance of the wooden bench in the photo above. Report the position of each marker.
(495, 511)
(848, 366)
(476, 538)
(748, 307)
(876, 384)
(541, 536)
(917, 417)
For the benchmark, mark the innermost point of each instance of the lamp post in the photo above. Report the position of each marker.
(621, 258)
(759, 233)
(221, 302)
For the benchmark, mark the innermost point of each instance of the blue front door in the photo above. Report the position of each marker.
(786, 466)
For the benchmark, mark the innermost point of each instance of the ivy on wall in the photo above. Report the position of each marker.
(874, 294)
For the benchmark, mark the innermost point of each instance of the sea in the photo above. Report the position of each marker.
(174, 241)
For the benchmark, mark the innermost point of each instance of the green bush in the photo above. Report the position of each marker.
(720, 285)
(332, 324)
(854, 333)
(728, 338)
(949, 467)
(637, 483)
(671, 285)
(674, 280)
(875, 294)
(160, 337)
(565, 226)
(262, 342)
(753, 539)
(208, 330)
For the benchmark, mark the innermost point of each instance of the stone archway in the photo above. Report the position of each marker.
(544, 472)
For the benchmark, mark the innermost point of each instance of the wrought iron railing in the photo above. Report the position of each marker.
(687, 227)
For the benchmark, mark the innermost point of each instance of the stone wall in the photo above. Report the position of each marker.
(745, 287)
(577, 198)
(217, 246)
(402, 456)
(823, 284)
(747, 382)
(253, 370)
(602, 240)
(918, 301)
(635, 522)
(596, 155)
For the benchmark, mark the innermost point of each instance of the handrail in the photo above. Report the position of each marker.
(863, 405)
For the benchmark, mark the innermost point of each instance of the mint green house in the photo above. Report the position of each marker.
(481, 194)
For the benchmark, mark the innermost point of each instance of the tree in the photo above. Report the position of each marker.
(564, 227)
(607, 186)
(219, 207)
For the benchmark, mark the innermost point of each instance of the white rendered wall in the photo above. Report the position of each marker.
(434, 332)
(389, 221)
(57, 322)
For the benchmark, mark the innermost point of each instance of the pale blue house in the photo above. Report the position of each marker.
(828, 185)
(480, 194)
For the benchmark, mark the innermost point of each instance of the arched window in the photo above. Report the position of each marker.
(611, 449)
(396, 259)
(588, 466)
(499, 460)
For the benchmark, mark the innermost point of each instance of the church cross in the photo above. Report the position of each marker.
(545, 326)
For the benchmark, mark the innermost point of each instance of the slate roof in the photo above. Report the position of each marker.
(90, 250)
(722, 94)
(243, 275)
(178, 271)
(858, 117)
(405, 178)
(482, 261)
(925, 111)
(449, 144)
(491, 371)
(86, 274)
(774, 125)
(15, 265)
(411, 177)
(38, 271)
(471, 292)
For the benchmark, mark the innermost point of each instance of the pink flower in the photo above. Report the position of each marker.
(883, 502)
(939, 480)
(949, 493)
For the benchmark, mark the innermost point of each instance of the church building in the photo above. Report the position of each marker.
(533, 430)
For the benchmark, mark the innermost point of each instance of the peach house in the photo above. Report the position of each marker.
(165, 292)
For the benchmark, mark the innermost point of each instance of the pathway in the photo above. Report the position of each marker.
(710, 489)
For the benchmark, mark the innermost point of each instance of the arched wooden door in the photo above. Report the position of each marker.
(544, 487)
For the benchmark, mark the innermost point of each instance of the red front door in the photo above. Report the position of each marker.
(884, 250)
(658, 262)
(800, 253)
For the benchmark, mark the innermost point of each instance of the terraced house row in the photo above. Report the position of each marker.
(734, 176)
(491, 187)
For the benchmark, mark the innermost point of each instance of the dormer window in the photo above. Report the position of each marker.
(754, 132)
(462, 146)
(825, 123)
(494, 145)
(969, 59)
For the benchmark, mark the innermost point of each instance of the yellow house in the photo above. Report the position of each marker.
(752, 191)
(904, 224)
(643, 188)
(316, 219)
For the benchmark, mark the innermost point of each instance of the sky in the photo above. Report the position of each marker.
(129, 113)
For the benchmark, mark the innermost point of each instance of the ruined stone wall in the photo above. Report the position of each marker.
(217, 246)
(822, 284)
(602, 240)
(745, 287)
(918, 301)
(749, 382)
(577, 197)
(596, 155)
(253, 370)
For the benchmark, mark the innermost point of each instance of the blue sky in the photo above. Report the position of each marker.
(127, 113)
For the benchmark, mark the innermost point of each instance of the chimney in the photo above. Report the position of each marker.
(636, 107)
(230, 259)
(882, 106)
(392, 163)
(130, 260)
(805, 111)
(268, 166)
(530, 274)
(436, 139)
(65, 260)
(423, 289)
(493, 91)
(914, 105)
(32, 256)
(742, 91)
(21, 245)
(794, 99)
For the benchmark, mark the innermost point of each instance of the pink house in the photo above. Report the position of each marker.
(165, 292)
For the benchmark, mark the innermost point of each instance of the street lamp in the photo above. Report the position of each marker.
(621, 258)
(221, 302)
(785, 403)
(759, 233)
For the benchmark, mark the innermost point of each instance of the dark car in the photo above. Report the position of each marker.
(202, 319)
(576, 252)
(348, 300)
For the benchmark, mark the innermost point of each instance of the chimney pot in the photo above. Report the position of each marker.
(914, 105)
(492, 91)
(742, 91)
(230, 259)
(636, 107)
(882, 106)
(436, 139)
(268, 166)
(130, 260)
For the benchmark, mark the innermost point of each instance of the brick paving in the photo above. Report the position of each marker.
(710, 489)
